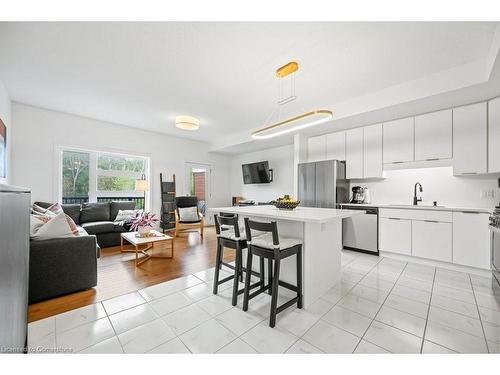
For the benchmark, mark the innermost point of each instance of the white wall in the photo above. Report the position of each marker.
(280, 160)
(5, 115)
(439, 185)
(39, 132)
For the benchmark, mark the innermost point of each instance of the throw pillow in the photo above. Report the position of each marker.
(188, 214)
(42, 211)
(61, 225)
(126, 215)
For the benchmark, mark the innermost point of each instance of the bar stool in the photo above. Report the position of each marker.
(231, 236)
(271, 246)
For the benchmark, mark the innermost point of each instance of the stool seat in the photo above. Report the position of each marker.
(266, 241)
(229, 234)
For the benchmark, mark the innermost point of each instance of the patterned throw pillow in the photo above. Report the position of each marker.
(126, 215)
(188, 214)
(44, 227)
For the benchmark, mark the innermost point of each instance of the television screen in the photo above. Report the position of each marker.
(256, 173)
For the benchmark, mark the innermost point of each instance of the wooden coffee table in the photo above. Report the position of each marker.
(143, 244)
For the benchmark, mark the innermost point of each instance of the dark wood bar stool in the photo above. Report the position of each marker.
(230, 236)
(274, 248)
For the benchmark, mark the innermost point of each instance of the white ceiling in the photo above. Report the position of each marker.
(144, 74)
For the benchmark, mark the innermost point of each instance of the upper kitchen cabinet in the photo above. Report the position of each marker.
(354, 153)
(434, 136)
(494, 135)
(398, 141)
(372, 151)
(335, 146)
(470, 139)
(316, 148)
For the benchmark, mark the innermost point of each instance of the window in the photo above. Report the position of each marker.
(91, 176)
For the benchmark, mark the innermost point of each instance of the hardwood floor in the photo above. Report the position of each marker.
(117, 275)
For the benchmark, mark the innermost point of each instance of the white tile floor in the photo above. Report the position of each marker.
(382, 305)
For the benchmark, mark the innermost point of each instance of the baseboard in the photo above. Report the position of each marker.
(436, 263)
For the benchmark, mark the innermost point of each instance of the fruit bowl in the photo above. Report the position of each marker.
(286, 205)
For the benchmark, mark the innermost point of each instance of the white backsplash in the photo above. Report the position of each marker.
(439, 185)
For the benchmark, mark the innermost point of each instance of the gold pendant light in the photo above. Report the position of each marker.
(295, 123)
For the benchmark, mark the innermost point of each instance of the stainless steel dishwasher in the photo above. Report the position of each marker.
(360, 232)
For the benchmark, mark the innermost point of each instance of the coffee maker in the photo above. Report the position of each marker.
(358, 194)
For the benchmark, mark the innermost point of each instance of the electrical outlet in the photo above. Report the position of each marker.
(488, 193)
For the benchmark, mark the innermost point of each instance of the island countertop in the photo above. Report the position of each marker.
(302, 214)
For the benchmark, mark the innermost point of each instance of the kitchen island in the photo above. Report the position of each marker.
(320, 230)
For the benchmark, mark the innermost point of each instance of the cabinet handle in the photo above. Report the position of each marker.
(397, 162)
(470, 212)
(469, 173)
(431, 221)
(432, 159)
(394, 218)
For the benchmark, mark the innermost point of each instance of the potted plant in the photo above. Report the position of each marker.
(143, 222)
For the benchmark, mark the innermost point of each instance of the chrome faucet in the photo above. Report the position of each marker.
(415, 199)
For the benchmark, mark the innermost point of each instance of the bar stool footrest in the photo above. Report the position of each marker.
(288, 286)
(286, 305)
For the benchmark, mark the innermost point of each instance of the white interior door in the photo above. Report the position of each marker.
(198, 183)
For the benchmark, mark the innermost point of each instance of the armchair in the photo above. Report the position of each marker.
(188, 216)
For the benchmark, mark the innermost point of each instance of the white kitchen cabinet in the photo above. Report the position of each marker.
(354, 153)
(470, 139)
(494, 136)
(471, 239)
(316, 148)
(372, 151)
(431, 240)
(434, 135)
(398, 141)
(335, 146)
(395, 235)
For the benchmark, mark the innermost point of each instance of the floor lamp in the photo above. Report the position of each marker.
(142, 185)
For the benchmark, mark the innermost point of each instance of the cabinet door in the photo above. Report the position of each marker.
(494, 136)
(434, 135)
(316, 148)
(372, 151)
(471, 240)
(398, 141)
(354, 153)
(395, 235)
(431, 240)
(470, 139)
(335, 146)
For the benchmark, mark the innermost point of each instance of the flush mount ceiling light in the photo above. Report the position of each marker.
(293, 123)
(187, 123)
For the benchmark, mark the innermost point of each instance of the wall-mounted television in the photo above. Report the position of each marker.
(256, 173)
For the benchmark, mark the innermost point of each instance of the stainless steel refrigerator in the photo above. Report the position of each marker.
(14, 263)
(323, 184)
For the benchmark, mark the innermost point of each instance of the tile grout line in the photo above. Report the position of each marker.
(381, 305)
(428, 310)
(335, 304)
(479, 313)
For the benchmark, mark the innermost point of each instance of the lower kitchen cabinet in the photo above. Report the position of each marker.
(395, 235)
(471, 239)
(432, 240)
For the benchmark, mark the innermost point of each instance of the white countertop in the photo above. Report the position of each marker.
(303, 214)
(421, 207)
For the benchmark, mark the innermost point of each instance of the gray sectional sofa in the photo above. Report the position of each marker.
(65, 265)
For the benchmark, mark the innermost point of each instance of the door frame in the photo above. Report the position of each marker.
(208, 185)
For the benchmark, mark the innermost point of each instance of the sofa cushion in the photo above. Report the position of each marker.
(94, 212)
(73, 211)
(116, 206)
(97, 227)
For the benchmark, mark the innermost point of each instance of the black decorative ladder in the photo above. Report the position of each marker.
(167, 204)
